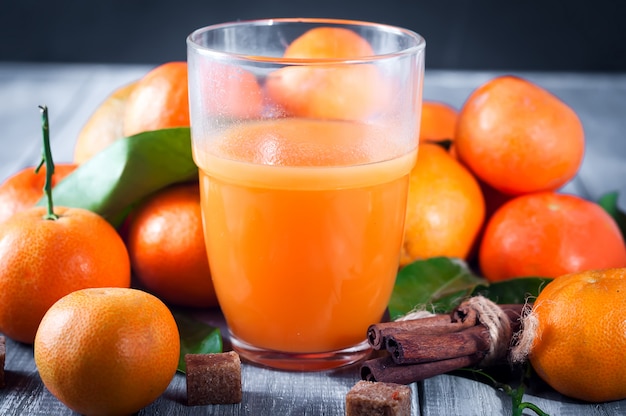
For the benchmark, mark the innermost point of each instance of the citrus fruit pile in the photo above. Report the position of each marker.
(100, 347)
(519, 144)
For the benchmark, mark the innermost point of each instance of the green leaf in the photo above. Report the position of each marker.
(609, 203)
(196, 337)
(512, 291)
(437, 284)
(127, 171)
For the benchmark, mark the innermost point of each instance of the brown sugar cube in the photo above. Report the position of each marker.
(3, 353)
(213, 378)
(370, 398)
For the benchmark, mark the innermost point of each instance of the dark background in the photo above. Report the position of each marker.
(460, 34)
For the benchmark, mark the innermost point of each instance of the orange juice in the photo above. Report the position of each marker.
(303, 228)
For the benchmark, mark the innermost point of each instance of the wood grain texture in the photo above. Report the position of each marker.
(265, 392)
(464, 396)
(72, 92)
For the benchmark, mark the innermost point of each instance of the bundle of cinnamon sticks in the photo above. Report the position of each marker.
(416, 349)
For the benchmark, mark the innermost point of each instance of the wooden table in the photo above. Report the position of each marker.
(72, 92)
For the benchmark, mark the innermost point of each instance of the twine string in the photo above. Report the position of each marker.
(490, 315)
(416, 314)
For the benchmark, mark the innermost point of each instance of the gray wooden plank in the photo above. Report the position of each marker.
(265, 392)
(24, 393)
(455, 395)
(451, 395)
(269, 392)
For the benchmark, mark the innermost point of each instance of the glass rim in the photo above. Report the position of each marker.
(418, 44)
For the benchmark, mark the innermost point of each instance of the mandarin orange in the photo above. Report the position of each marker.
(445, 208)
(229, 91)
(107, 351)
(331, 90)
(328, 42)
(104, 126)
(45, 259)
(22, 190)
(438, 121)
(165, 242)
(158, 100)
(518, 137)
(548, 234)
(579, 337)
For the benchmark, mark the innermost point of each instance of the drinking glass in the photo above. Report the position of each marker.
(304, 151)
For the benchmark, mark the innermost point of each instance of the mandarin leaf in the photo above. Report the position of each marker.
(437, 284)
(127, 171)
(512, 291)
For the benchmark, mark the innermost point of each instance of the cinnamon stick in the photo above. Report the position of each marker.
(386, 370)
(422, 348)
(377, 334)
(408, 348)
(463, 312)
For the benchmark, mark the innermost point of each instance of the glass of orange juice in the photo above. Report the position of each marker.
(304, 132)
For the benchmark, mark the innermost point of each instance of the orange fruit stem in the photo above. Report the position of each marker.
(46, 159)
